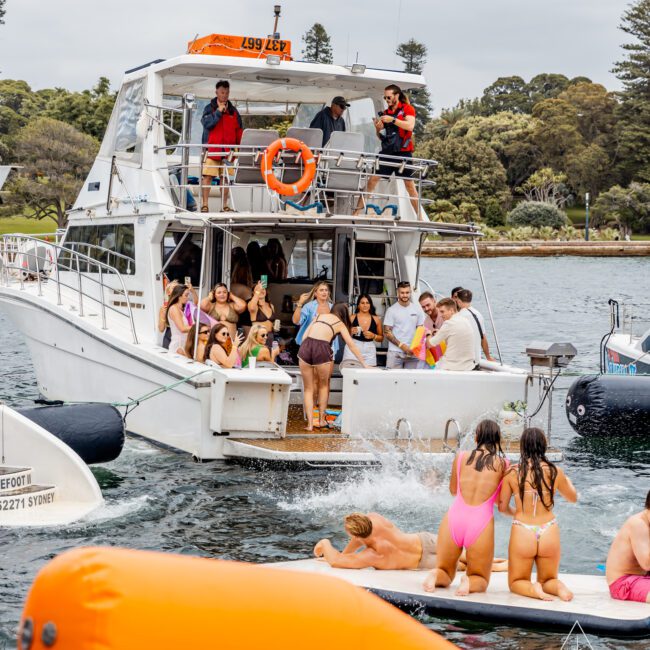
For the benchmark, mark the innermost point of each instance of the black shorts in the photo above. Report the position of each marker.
(387, 170)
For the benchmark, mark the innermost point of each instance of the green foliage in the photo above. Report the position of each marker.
(467, 172)
(494, 213)
(506, 94)
(557, 132)
(56, 159)
(318, 47)
(546, 186)
(627, 207)
(633, 129)
(537, 214)
(3, 11)
(414, 57)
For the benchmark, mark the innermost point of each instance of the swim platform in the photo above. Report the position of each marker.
(591, 606)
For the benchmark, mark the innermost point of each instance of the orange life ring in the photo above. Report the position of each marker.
(271, 180)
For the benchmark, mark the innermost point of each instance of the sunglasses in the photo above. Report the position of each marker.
(226, 334)
(387, 99)
(264, 335)
(204, 332)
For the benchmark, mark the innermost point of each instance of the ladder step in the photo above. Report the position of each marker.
(14, 478)
(376, 277)
(26, 498)
(375, 259)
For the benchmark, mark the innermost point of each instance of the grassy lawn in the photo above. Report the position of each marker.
(576, 215)
(25, 225)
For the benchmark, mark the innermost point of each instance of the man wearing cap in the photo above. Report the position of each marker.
(330, 119)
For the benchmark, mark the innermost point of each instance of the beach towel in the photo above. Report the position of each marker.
(418, 346)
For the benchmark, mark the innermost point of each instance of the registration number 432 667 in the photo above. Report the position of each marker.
(263, 44)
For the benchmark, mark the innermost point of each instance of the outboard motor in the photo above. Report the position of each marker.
(94, 431)
(609, 405)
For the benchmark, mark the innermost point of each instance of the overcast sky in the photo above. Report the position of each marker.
(70, 43)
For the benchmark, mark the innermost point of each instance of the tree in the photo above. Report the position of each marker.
(56, 158)
(628, 207)
(506, 94)
(546, 186)
(3, 11)
(556, 133)
(537, 214)
(467, 172)
(317, 45)
(588, 169)
(545, 86)
(634, 112)
(442, 126)
(414, 56)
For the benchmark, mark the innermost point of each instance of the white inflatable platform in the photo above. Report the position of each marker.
(591, 606)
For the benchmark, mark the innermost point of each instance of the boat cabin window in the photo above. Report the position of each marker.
(184, 260)
(130, 104)
(112, 244)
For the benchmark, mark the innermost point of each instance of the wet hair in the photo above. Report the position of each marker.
(464, 295)
(455, 290)
(448, 302)
(178, 291)
(531, 467)
(316, 287)
(398, 91)
(212, 340)
(425, 295)
(213, 293)
(373, 311)
(358, 525)
(341, 311)
(224, 83)
(647, 501)
(488, 435)
(251, 340)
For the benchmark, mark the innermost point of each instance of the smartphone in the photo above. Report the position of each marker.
(264, 279)
(188, 281)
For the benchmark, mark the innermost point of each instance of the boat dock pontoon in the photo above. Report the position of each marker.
(88, 304)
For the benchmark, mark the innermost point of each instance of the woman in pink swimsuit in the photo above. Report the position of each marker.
(469, 523)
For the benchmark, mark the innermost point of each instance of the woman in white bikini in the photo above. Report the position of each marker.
(535, 534)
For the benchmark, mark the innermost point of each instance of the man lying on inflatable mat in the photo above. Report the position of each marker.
(628, 562)
(385, 546)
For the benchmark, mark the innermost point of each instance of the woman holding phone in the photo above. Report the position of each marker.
(224, 307)
(261, 310)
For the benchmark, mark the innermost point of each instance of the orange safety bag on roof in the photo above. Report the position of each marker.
(121, 599)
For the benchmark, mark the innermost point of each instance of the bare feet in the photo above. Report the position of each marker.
(430, 581)
(463, 589)
(539, 592)
(563, 592)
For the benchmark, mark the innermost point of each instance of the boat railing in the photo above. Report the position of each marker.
(28, 257)
(338, 173)
(632, 325)
(103, 254)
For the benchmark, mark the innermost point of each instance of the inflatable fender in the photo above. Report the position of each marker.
(94, 431)
(609, 405)
(121, 599)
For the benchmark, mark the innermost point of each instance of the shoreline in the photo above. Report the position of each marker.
(537, 248)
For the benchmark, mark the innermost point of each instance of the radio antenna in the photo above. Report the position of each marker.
(276, 13)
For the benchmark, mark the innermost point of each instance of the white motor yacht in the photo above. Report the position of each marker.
(88, 304)
(625, 350)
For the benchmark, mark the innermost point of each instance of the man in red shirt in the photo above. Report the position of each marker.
(221, 125)
(395, 130)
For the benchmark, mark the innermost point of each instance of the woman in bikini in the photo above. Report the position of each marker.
(255, 346)
(221, 349)
(315, 358)
(224, 307)
(262, 311)
(469, 523)
(535, 534)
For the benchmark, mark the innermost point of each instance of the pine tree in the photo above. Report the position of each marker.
(414, 56)
(634, 111)
(318, 47)
(3, 11)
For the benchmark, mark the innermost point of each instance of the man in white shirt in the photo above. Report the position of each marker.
(458, 334)
(400, 322)
(463, 299)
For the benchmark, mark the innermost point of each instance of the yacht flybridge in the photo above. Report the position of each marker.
(88, 304)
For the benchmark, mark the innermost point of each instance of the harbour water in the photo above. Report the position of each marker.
(163, 501)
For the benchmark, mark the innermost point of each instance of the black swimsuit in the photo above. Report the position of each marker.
(372, 328)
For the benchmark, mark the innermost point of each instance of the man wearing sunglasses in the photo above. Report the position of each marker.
(394, 128)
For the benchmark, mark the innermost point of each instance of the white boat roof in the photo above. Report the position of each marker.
(253, 79)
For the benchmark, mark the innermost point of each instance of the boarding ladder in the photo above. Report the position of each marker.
(366, 276)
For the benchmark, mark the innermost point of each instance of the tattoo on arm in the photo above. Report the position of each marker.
(388, 333)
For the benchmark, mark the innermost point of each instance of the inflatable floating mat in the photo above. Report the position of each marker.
(591, 606)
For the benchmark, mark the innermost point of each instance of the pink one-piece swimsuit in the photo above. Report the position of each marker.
(467, 522)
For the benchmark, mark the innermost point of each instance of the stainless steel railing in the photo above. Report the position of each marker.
(352, 170)
(27, 256)
(95, 251)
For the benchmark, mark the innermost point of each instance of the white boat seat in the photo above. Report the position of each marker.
(347, 175)
(247, 166)
(313, 138)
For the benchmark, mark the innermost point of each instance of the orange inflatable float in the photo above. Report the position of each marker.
(308, 160)
(119, 599)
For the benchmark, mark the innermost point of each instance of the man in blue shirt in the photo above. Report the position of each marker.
(330, 119)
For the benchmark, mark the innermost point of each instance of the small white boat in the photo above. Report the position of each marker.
(42, 481)
(625, 350)
(592, 607)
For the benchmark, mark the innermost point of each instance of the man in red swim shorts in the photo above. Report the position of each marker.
(628, 562)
